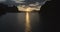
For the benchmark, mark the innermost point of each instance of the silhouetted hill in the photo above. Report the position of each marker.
(48, 15)
(4, 9)
(12, 9)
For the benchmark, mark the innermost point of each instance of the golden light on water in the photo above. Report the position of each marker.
(27, 25)
(27, 22)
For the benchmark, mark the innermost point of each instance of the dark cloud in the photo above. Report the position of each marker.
(18, 2)
(34, 1)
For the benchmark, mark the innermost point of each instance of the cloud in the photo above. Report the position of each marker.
(31, 5)
(28, 4)
(18, 1)
(2, 1)
(15, 2)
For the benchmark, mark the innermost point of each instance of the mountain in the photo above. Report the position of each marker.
(48, 15)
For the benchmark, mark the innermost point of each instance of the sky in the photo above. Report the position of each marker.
(13, 2)
(30, 4)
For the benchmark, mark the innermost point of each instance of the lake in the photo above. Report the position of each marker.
(15, 22)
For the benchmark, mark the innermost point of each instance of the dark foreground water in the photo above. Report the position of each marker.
(15, 22)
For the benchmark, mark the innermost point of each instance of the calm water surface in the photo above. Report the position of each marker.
(15, 22)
